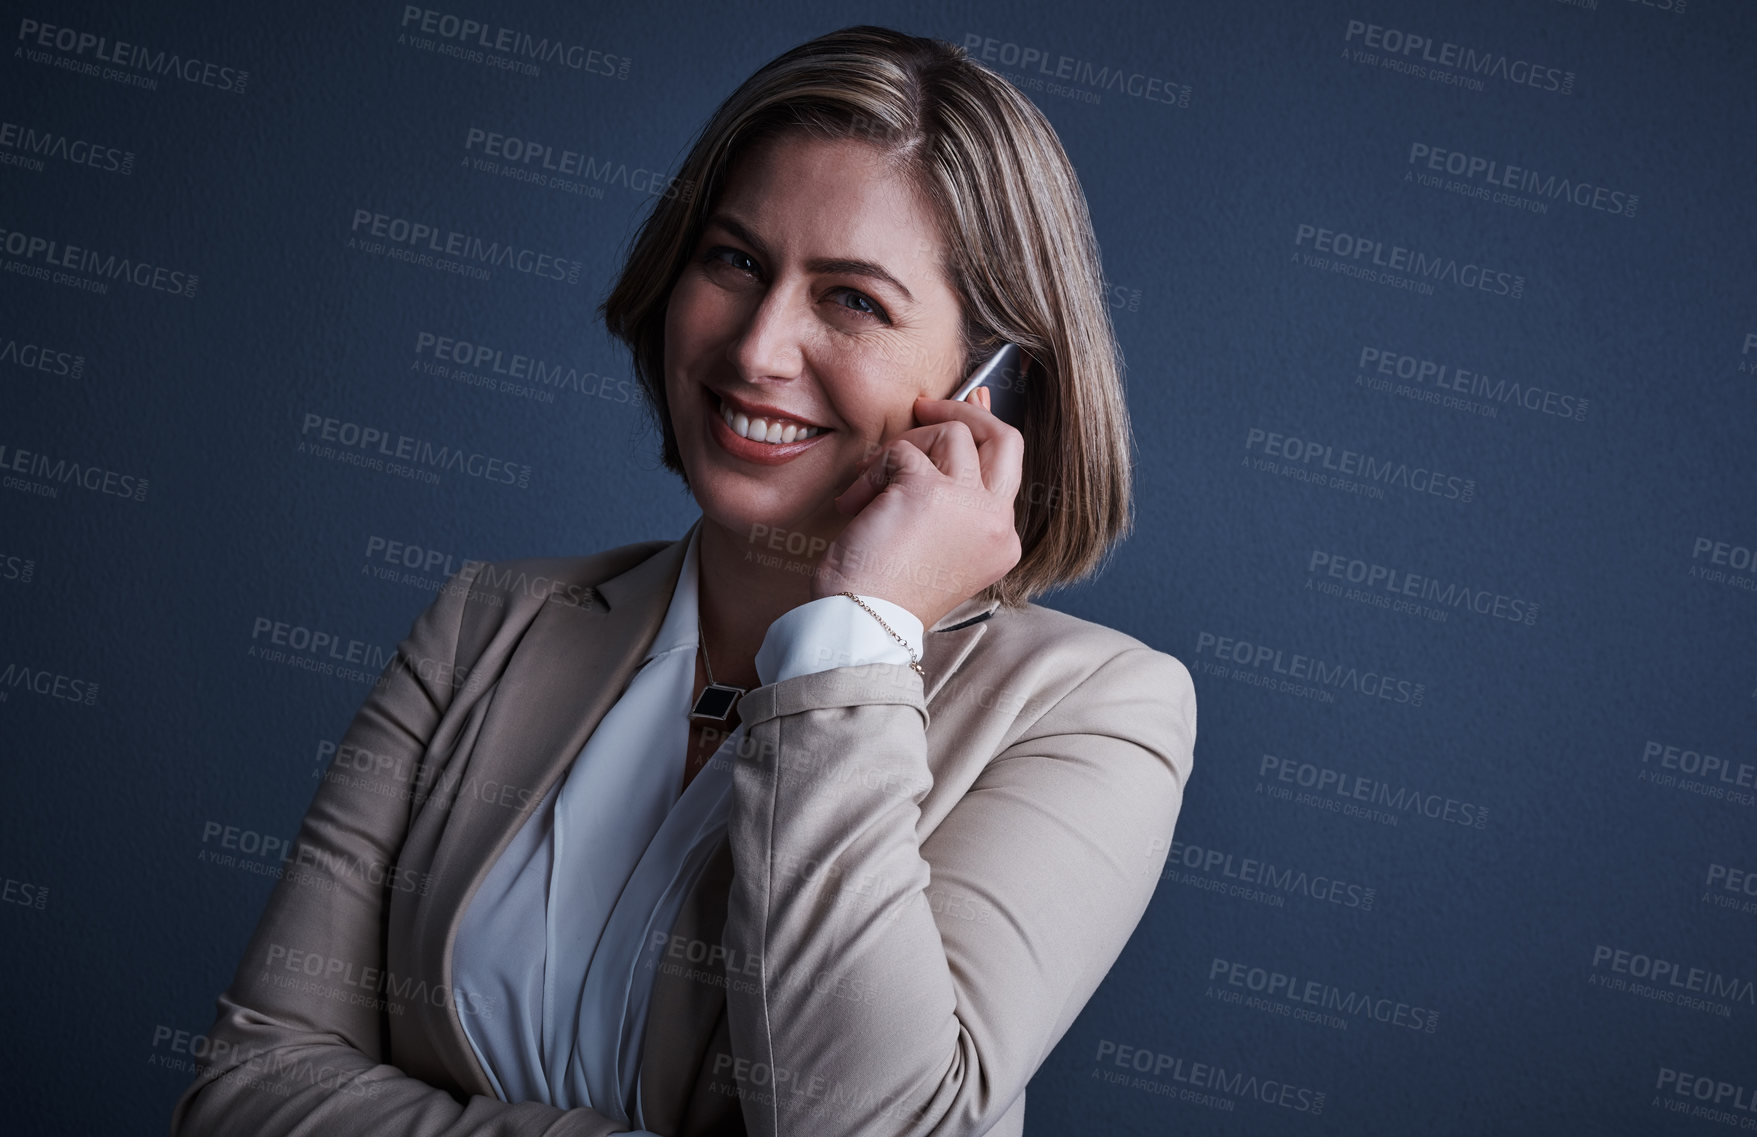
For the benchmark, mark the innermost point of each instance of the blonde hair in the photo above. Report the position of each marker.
(1020, 249)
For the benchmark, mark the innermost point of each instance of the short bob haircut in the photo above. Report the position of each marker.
(1020, 253)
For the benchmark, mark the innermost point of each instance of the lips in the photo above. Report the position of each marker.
(764, 453)
(760, 422)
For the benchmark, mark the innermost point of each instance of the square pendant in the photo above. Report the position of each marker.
(716, 702)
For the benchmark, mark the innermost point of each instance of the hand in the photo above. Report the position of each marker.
(933, 512)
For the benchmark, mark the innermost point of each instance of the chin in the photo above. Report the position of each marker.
(780, 499)
(744, 513)
(746, 510)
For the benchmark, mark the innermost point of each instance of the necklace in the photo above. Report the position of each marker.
(717, 700)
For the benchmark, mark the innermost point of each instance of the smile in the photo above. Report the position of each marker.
(764, 439)
(768, 429)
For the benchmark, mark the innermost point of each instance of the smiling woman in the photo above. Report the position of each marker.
(815, 301)
(808, 821)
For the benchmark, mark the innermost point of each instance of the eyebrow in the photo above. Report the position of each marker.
(822, 265)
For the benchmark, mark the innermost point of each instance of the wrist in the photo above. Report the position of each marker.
(832, 631)
(870, 610)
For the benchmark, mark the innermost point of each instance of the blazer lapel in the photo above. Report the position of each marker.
(570, 666)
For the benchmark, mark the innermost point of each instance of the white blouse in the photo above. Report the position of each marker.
(563, 937)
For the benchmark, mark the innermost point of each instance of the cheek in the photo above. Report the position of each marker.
(677, 318)
(880, 399)
(690, 311)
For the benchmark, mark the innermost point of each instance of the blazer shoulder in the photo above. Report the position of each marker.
(1033, 627)
(1066, 651)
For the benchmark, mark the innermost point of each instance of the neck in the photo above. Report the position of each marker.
(739, 597)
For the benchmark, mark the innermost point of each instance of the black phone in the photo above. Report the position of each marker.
(1004, 374)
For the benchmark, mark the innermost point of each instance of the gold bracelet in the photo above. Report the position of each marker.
(914, 660)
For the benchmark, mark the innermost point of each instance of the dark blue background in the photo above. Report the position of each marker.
(1650, 318)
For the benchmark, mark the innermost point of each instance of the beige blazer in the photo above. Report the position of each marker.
(923, 881)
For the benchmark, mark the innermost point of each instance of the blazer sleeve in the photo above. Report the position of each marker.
(912, 987)
(295, 1054)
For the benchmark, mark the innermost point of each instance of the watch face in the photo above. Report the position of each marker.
(716, 702)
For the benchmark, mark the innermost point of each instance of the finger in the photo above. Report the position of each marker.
(873, 473)
(951, 447)
(1000, 447)
(982, 421)
(896, 460)
(862, 490)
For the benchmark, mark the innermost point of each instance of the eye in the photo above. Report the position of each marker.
(732, 258)
(861, 303)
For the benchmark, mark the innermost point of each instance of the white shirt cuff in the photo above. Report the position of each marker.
(833, 631)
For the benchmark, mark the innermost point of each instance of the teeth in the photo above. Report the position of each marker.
(762, 430)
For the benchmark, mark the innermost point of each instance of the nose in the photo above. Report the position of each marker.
(771, 345)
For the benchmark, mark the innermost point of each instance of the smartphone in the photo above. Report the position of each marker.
(1003, 373)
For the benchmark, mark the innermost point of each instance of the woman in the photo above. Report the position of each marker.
(807, 822)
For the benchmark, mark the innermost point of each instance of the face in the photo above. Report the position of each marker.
(816, 300)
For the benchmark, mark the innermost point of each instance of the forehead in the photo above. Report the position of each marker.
(834, 198)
